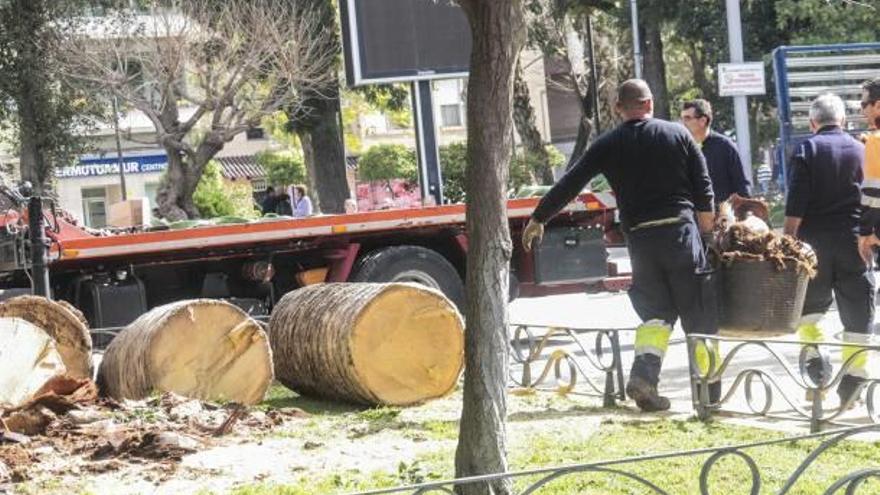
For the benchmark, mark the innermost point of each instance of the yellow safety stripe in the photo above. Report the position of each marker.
(653, 337)
(859, 365)
(810, 332)
(701, 356)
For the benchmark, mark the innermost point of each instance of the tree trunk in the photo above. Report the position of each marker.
(321, 139)
(30, 359)
(498, 33)
(698, 66)
(376, 344)
(202, 349)
(654, 66)
(317, 123)
(524, 118)
(65, 324)
(174, 196)
(30, 95)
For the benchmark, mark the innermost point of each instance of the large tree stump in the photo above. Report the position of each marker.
(203, 349)
(392, 344)
(28, 359)
(63, 322)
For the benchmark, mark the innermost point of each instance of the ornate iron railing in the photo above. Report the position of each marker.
(796, 381)
(850, 483)
(530, 349)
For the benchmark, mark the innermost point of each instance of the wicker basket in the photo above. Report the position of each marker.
(759, 301)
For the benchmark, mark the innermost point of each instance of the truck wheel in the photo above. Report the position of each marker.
(411, 264)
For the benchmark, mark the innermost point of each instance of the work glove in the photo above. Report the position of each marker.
(533, 232)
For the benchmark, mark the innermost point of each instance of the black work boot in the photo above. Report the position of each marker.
(819, 370)
(849, 390)
(642, 385)
(715, 392)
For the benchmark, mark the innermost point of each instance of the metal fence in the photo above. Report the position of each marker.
(624, 468)
(761, 385)
(540, 351)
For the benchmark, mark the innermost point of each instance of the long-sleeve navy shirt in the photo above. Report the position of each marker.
(725, 166)
(826, 180)
(655, 169)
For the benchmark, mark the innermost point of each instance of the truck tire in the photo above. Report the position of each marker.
(411, 264)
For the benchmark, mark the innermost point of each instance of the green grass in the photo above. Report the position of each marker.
(279, 397)
(618, 439)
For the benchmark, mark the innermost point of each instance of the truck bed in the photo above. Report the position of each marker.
(269, 231)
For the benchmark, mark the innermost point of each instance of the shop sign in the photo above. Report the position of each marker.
(109, 165)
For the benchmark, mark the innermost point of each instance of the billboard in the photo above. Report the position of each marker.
(404, 40)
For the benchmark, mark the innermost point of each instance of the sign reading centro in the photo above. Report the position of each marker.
(93, 167)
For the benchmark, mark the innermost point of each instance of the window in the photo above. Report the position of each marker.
(450, 115)
(95, 206)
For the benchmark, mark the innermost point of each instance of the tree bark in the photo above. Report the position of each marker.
(321, 139)
(498, 33)
(202, 349)
(174, 198)
(698, 66)
(324, 341)
(654, 66)
(524, 118)
(31, 94)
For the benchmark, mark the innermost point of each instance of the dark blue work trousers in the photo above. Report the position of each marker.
(671, 277)
(843, 273)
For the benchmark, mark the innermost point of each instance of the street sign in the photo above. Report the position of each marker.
(741, 79)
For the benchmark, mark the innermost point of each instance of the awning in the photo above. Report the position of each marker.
(241, 167)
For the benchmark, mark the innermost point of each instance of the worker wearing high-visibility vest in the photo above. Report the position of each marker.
(823, 208)
(665, 199)
(870, 225)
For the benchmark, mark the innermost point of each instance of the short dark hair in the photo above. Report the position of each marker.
(270, 189)
(873, 89)
(301, 189)
(702, 108)
(632, 93)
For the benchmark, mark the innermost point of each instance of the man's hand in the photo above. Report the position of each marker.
(866, 248)
(534, 231)
(706, 221)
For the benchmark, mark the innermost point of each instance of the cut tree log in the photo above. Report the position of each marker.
(378, 344)
(28, 360)
(62, 322)
(201, 349)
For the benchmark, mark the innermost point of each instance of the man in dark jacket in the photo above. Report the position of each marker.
(665, 198)
(270, 201)
(823, 209)
(722, 157)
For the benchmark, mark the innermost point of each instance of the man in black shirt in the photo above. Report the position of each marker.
(722, 157)
(665, 199)
(270, 201)
(823, 209)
